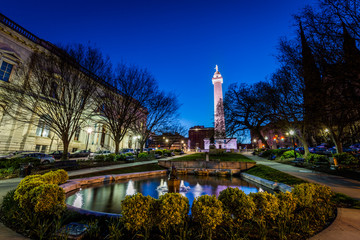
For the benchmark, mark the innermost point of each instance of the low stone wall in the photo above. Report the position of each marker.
(75, 184)
(235, 167)
(267, 183)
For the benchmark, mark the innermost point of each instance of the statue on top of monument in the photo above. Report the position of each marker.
(216, 68)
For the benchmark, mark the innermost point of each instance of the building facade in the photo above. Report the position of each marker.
(197, 134)
(16, 46)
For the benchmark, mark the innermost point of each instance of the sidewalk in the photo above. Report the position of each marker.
(9, 184)
(347, 223)
(339, 184)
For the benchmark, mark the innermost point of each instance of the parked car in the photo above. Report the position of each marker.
(14, 153)
(44, 158)
(101, 152)
(355, 146)
(58, 154)
(127, 150)
(80, 154)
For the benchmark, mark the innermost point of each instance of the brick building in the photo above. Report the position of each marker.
(197, 135)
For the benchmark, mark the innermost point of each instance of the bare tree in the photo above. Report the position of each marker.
(55, 89)
(248, 107)
(174, 133)
(125, 105)
(161, 109)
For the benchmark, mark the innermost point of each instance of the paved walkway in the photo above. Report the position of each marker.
(9, 184)
(347, 223)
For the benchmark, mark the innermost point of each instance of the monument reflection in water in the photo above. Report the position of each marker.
(108, 197)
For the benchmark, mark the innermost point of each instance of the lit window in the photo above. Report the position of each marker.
(43, 129)
(5, 71)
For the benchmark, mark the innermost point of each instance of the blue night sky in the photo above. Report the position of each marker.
(179, 42)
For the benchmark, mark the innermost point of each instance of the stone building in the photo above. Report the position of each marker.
(17, 45)
(197, 134)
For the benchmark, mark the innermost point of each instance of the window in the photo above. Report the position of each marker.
(43, 129)
(5, 71)
(77, 134)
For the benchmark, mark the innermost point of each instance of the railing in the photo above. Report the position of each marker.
(52, 48)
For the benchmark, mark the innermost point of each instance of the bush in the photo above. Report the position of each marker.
(138, 213)
(110, 157)
(267, 209)
(314, 206)
(346, 160)
(237, 205)
(286, 216)
(41, 194)
(143, 155)
(120, 157)
(208, 212)
(290, 154)
(177, 150)
(58, 177)
(316, 158)
(173, 211)
(16, 162)
(99, 158)
(129, 154)
(159, 152)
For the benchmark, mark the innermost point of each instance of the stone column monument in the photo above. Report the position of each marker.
(219, 119)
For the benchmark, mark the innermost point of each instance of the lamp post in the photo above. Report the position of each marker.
(266, 138)
(254, 141)
(167, 142)
(89, 131)
(292, 133)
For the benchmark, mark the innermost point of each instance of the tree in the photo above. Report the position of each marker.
(161, 109)
(173, 132)
(55, 90)
(248, 107)
(124, 105)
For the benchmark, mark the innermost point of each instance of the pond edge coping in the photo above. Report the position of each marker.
(75, 184)
(267, 183)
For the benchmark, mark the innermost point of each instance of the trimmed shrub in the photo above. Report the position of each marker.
(208, 212)
(99, 158)
(267, 209)
(159, 152)
(138, 213)
(120, 157)
(110, 157)
(286, 216)
(58, 177)
(346, 160)
(316, 158)
(129, 154)
(290, 154)
(143, 155)
(41, 194)
(314, 206)
(173, 211)
(16, 162)
(237, 204)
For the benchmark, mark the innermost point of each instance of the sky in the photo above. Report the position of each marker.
(178, 41)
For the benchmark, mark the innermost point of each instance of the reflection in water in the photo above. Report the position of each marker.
(130, 190)
(108, 197)
(78, 202)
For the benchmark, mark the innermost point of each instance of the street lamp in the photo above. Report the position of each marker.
(89, 131)
(254, 141)
(292, 133)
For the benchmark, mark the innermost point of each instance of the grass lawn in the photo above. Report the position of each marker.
(225, 157)
(143, 168)
(274, 175)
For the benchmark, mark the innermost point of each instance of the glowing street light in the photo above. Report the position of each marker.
(89, 131)
(292, 133)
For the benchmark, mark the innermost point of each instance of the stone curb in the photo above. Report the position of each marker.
(267, 183)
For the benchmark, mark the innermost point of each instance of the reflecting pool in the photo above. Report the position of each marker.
(108, 197)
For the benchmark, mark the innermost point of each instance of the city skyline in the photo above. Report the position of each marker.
(179, 43)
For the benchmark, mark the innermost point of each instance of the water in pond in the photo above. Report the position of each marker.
(108, 197)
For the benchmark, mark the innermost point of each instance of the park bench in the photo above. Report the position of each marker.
(67, 164)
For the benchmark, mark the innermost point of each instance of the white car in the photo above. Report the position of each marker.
(101, 152)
